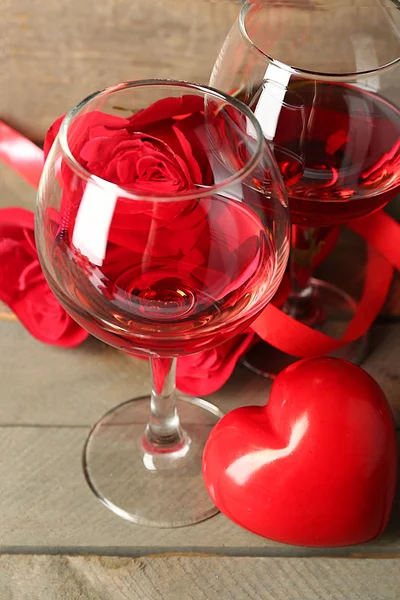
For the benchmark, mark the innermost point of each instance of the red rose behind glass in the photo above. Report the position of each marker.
(23, 286)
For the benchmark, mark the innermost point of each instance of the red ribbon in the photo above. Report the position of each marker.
(381, 232)
(294, 338)
(21, 155)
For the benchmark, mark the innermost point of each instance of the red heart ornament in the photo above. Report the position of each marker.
(316, 466)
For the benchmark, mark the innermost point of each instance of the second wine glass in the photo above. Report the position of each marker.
(341, 60)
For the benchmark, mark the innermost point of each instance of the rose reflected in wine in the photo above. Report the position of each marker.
(350, 152)
(181, 287)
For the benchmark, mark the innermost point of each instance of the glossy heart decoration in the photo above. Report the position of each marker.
(316, 466)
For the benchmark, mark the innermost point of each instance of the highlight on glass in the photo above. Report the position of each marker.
(162, 228)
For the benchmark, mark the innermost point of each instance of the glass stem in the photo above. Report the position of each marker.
(163, 432)
(302, 303)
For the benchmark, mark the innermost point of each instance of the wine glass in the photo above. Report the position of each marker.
(342, 60)
(162, 228)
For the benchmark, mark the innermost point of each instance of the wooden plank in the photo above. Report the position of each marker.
(197, 578)
(45, 385)
(53, 54)
(46, 507)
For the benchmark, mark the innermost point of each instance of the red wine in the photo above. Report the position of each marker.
(173, 286)
(350, 152)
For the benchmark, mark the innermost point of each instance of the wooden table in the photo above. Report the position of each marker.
(51, 525)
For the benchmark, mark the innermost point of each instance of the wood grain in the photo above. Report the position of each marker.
(197, 578)
(53, 54)
(46, 507)
(45, 385)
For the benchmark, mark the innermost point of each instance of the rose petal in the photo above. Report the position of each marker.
(97, 152)
(51, 135)
(166, 108)
(23, 286)
(14, 259)
(73, 336)
(206, 372)
(176, 121)
(15, 220)
(30, 276)
(193, 128)
(82, 127)
(191, 162)
(54, 329)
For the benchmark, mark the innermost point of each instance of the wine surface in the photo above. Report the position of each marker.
(349, 153)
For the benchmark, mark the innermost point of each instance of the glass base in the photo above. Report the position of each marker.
(336, 309)
(162, 489)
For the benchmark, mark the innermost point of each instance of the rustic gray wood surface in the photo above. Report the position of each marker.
(53, 54)
(197, 578)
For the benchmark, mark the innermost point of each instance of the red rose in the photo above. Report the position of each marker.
(206, 372)
(154, 151)
(159, 149)
(23, 286)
